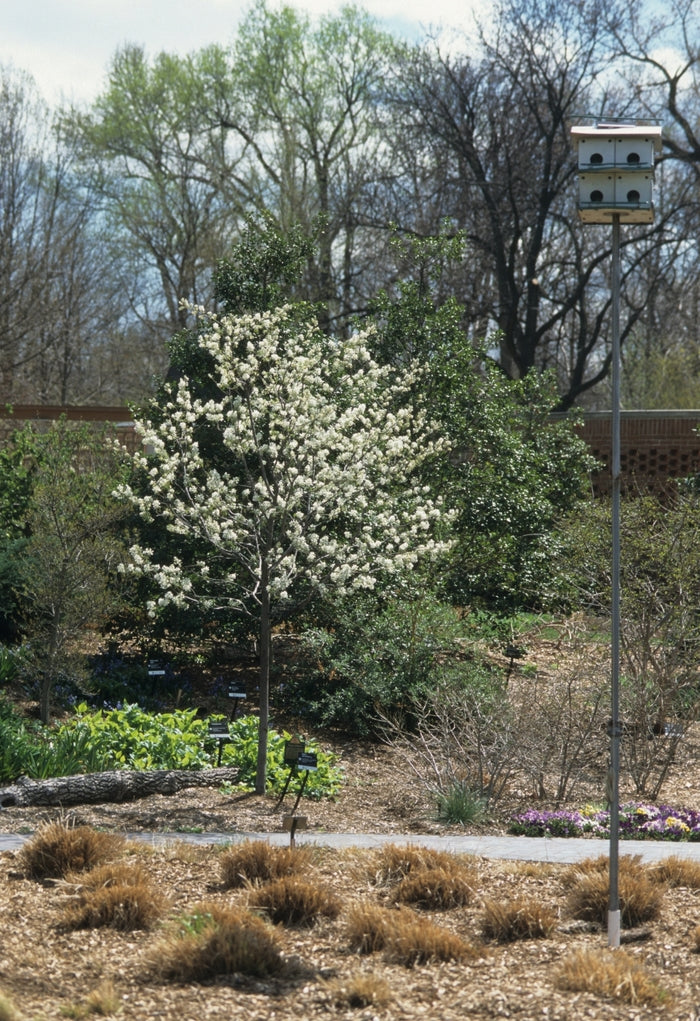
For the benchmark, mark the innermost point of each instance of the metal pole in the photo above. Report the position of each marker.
(615, 726)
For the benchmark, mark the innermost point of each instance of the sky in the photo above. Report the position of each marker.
(67, 44)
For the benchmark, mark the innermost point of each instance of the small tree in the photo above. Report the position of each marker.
(70, 561)
(296, 478)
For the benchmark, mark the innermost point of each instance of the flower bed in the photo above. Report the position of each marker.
(638, 821)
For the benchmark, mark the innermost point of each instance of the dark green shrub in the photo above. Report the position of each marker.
(114, 679)
(365, 656)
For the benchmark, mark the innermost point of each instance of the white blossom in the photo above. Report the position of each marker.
(322, 485)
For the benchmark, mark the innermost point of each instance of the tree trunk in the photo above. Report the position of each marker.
(265, 637)
(114, 785)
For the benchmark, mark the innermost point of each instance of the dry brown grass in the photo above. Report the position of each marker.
(56, 850)
(257, 861)
(640, 898)
(629, 864)
(609, 973)
(214, 939)
(102, 1001)
(8, 1011)
(292, 900)
(436, 889)
(530, 869)
(360, 991)
(413, 940)
(116, 896)
(392, 862)
(676, 871)
(522, 918)
(368, 925)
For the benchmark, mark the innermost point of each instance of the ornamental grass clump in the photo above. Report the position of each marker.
(629, 864)
(295, 901)
(57, 850)
(674, 872)
(640, 898)
(8, 1011)
(461, 804)
(519, 919)
(360, 991)
(392, 862)
(102, 1001)
(369, 924)
(257, 861)
(119, 897)
(214, 939)
(413, 940)
(613, 974)
(436, 889)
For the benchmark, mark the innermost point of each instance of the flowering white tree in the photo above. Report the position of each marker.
(299, 476)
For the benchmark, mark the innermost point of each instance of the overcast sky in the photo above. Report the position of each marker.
(67, 44)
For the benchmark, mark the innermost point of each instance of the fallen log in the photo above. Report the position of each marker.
(112, 786)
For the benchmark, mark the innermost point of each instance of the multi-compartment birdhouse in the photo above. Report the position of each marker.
(616, 172)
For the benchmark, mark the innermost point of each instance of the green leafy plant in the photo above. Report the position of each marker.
(461, 804)
(131, 738)
(28, 748)
(324, 781)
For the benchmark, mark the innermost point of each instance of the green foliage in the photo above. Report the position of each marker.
(243, 750)
(264, 267)
(29, 749)
(71, 546)
(131, 738)
(11, 659)
(369, 657)
(512, 471)
(460, 804)
(20, 458)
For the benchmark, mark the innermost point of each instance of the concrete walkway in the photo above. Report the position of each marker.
(558, 850)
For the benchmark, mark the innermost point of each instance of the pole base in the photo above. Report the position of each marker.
(614, 929)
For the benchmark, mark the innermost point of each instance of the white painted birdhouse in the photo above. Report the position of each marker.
(616, 172)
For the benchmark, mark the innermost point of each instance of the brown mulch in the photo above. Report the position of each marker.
(47, 972)
(50, 973)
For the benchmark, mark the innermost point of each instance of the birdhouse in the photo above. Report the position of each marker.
(616, 172)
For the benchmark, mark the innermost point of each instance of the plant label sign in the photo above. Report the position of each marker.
(308, 761)
(156, 668)
(236, 689)
(294, 822)
(219, 730)
(292, 752)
